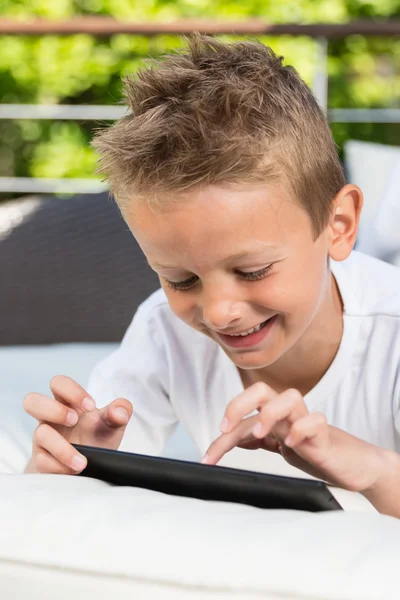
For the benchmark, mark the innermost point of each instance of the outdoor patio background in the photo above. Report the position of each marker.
(363, 70)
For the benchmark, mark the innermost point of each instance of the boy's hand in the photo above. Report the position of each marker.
(71, 417)
(305, 440)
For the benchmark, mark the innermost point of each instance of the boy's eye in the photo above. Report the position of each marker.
(182, 285)
(255, 275)
(188, 283)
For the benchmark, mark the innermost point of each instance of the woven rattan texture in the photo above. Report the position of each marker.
(70, 271)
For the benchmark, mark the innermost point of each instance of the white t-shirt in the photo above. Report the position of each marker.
(172, 373)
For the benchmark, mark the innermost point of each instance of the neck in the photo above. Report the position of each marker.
(307, 361)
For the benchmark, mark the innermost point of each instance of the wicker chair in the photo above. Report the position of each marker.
(70, 271)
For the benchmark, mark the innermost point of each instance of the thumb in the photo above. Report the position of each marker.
(117, 413)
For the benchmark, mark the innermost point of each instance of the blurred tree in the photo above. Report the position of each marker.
(363, 71)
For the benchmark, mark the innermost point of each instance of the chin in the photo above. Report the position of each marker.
(250, 360)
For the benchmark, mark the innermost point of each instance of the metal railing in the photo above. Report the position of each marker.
(106, 27)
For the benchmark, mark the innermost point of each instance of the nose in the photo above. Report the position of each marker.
(220, 311)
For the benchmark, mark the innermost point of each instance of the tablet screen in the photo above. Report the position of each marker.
(206, 482)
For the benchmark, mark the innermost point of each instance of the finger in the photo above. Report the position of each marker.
(270, 443)
(288, 406)
(46, 463)
(245, 403)
(47, 409)
(69, 392)
(314, 426)
(117, 413)
(225, 442)
(49, 439)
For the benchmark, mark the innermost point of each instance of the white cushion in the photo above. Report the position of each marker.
(63, 537)
(384, 239)
(69, 537)
(374, 168)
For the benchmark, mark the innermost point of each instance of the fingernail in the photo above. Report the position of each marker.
(225, 425)
(72, 418)
(88, 404)
(257, 429)
(122, 413)
(205, 458)
(78, 463)
(289, 441)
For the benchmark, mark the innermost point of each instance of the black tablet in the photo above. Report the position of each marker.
(206, 482)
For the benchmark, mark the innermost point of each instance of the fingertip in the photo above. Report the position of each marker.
(78, 463)
(289, 441)
(225, 425)
(72, 418)
(122, 403)
(88, 404)
(122, 414)
(257, 430)
(209, 459)
(128, 406)
(205, 459)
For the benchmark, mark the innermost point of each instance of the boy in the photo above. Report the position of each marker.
(268, 328)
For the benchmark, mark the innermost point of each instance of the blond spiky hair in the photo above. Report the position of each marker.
(220, 112)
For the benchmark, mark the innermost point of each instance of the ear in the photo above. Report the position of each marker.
(343, 223)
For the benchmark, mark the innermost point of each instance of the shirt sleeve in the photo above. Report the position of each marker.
(138, 371)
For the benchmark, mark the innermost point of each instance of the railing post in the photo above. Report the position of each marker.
(320, 85)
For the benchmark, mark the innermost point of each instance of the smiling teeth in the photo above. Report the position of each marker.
(247, 332)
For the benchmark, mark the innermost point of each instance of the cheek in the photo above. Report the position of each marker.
(181, 303)
(296, 290)
(307, 284)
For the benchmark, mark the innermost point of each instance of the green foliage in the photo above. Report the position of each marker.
(79, 69)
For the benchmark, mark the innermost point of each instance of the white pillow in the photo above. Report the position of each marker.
(385, 235)
(71, 537)
(375, 169)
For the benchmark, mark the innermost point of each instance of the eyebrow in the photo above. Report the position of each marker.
(225, 260)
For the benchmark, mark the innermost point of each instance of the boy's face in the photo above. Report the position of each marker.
(231, 258)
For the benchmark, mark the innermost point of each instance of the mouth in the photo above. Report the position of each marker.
(250, 337)
(247, 331)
